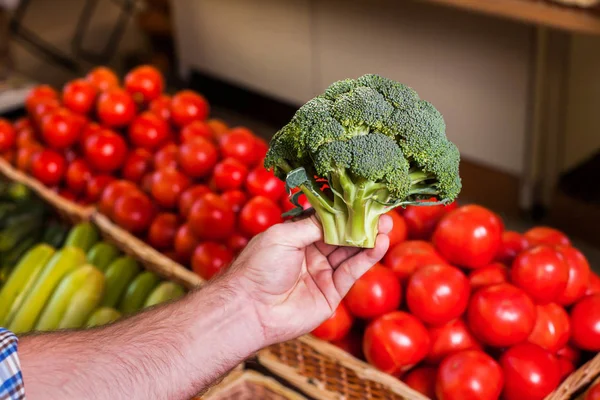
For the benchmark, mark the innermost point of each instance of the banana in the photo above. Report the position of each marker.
(138, 291)
(84, 283)
(84, 235)
(84, 301)
(119, 274)
(164, 292)
(63, 262)
(22, 279)
(103, 316)
(102, 254)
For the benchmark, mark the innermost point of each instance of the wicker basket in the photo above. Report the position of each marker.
(326, 372)
(587, 4)
(249, 385)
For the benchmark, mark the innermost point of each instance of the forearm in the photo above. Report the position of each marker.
(173, 352)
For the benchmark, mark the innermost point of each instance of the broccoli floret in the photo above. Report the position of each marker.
(376, 144)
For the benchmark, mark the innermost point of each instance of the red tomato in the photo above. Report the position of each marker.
(105, 151)
(145, 83)
(240, 144)
(236, 242)
(115, 108)
(335, 327)
(67, 194)
(450, 338)
(286, 205)
(22, 123)
(137, 164)
(168, 185)
(163, 229)
(218, 127)
(79, 96)
(61, 129)
(78, 175)
(593, 286)
(188, 106)
(566, 367)
(25, 156)
(229, 174)
(95, 187)
(395, 342)
(570, 353)
(398, 233)
(422, 220)
(422, 380)
(8, 136)
(579, 275)
(469, 236)
(185, 243)
(235, 198)
(530, 372)
(511, 245)
(189, 197)
(469, 374)
(211, 218)
(102, 78)
(26, 137)
(133, 211)
(198, 157)
(437, 294)
(48, 167)
(166, 157)
(351, 343)
(42, 107)
(541, 272)
(148, 131)
(261, 148)
(593, 393)
(113, 191)
(194, 130)
(405, 258)
(89, 130)
(161, 106)
(546, 235)
(501, 315)
(259, 214)
(261, 182)
(8, 156)
(210, 258)
(585, 323)
(40, 92)
(375, 293)
(552, 327)
(489, 275)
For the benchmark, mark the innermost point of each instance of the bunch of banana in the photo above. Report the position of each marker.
(24, 222)
(85, 283)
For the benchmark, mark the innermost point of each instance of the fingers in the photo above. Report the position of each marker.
(353, 268)
(300, 233)
(322, 275)
(340, 255)
(386, 223)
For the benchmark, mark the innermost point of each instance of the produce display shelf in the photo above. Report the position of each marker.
(544, 13)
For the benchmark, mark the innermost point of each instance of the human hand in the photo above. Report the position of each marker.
(294, 281)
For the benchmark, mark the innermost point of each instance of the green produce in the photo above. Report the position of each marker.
(84, 235)
(103, 316)
(119, 275)
(62, 262)
(22, 279)
(376, 145)
(5, 273)
(75, 298)
(166, 291)
(55, 234)
(102, 254)
(138, 291)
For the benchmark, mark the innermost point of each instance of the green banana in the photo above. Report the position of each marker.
(55, 234)
(16, 232)
(119, 274)
(102, 254)
(81, 289)
(84, 235)
(63, 262)
(103, 316)
(138, 291)
(5, 273)
(22, 279)
(13, 256)
(164, 292)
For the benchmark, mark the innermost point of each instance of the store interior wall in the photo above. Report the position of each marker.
(475, 69)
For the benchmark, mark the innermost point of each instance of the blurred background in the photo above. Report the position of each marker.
(516, 80)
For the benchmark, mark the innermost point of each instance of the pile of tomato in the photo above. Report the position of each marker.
(461, 308)
(157, 165)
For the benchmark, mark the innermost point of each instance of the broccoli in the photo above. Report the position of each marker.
(376, 145)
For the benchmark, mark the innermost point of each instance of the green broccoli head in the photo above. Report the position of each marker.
(378, 145)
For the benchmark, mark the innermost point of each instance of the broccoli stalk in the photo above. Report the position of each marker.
(377, 145)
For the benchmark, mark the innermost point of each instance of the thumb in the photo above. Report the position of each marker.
(299, 233)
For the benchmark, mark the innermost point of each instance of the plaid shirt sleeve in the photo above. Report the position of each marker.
(11, 380)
